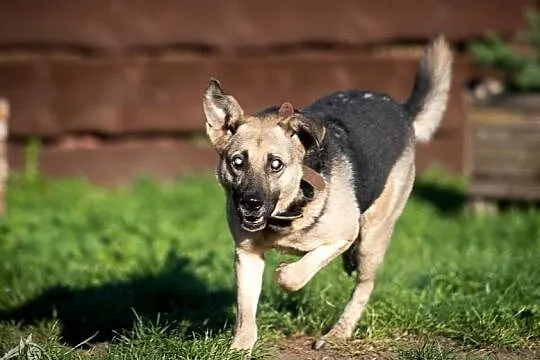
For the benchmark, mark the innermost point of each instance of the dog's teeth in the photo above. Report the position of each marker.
(318, 344)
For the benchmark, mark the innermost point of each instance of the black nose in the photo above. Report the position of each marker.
(251, 203)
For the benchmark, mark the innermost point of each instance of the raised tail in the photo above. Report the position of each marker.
(427, 102)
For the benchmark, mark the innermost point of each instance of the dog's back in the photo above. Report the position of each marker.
(373, 130)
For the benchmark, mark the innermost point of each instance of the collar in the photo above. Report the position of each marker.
(311, 183)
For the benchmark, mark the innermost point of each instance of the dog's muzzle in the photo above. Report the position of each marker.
(252, 212)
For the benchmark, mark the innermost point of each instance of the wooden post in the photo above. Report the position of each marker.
(4, 168)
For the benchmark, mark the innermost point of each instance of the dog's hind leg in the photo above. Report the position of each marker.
(377, 227)
(369, 257)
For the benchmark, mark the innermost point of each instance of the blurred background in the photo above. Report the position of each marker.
(111, 89)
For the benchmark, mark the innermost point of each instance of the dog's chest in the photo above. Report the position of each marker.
(304, 241)
(296, 244)
(339, 221)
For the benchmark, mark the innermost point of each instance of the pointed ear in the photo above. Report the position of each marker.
(310, 131)
(223, 114)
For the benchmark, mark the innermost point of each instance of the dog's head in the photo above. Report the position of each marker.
(260, 155)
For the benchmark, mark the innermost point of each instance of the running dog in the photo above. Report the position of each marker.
(325, 180)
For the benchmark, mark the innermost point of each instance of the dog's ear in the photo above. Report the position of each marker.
(223, 114)
(310, 131)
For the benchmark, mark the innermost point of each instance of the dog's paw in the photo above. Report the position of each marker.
(287, 279)
(243, 347)
(325, 340)
(336, 336)
(318, 344)
(244, 340)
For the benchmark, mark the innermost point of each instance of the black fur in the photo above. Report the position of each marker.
(370, 129)
(423, 83)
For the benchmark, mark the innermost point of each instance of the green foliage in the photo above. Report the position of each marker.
(146, 272)
(522, 69)
(31, 170)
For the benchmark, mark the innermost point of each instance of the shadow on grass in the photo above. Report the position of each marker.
(447, 199)
(175, 294)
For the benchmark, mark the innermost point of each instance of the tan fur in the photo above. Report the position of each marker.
(377, 227)
(249, 268)
(263, 136)
(322, 243)
(437, 61)
(319, 243)
(332, 225)
(322, 233)
(222, 113)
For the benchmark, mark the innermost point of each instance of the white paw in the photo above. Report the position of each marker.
(287, 277)
(242, 346)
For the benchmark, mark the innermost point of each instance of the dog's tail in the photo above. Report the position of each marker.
(427, 102)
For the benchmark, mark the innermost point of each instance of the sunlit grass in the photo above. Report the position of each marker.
(146, 271)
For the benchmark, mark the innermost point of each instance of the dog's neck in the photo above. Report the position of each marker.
(311, 184)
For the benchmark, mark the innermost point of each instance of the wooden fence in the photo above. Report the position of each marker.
(113, 88)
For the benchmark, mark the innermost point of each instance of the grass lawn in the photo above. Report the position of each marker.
(145, 272)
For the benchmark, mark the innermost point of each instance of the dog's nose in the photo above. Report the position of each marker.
(251, 203)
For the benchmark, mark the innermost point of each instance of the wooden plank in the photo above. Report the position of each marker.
(52, 97)
(501, 159)
(506, 157)
(121, 25)
(511, 173)
(119, 163)
(445, 150)
(502, 137)
(512, 102)
(503, 190)
(512, 144)
(484, 117)
(503, 146)
(523, 125)
(494, 140)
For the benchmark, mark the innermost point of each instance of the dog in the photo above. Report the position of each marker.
(325, 180)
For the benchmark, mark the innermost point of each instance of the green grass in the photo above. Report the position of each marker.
(145, 272)
(427, 351)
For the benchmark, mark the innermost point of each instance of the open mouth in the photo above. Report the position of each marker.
(253, 223)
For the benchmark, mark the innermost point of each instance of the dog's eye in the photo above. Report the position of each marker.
(237, 162)
(276, 165)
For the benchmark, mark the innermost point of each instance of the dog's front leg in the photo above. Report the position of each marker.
(249, 268)
(294, 276)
